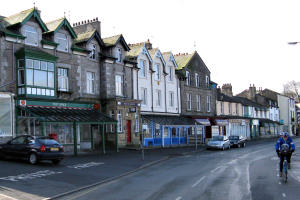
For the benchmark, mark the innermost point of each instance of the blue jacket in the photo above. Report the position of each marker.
(281, 141)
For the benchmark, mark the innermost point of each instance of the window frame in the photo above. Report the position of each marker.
(198, 98)
(189, 101)
(171, 77)
(119, 85)
(197, 80)
(144, 96)
(93, 49)
(142, 71)
(31, 32)
(208, 103)
(64, 77)
(157, 74)
(59, 39)
(90, 82)
(188, 78)
(158, 98)
(119, 55)
(120, 121)
(171, 98)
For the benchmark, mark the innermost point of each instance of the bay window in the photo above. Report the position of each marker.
(36, 77)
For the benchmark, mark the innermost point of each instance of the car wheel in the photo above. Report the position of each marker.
(33, 159)
(56, 162)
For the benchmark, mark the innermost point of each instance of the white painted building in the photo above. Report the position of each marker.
(287, 113)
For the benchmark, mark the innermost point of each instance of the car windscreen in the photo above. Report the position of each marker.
(233, 137)
(47, 141)
(217, 138)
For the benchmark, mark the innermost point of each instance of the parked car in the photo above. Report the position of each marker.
(33, 149)
(218, 142)
(237, 141)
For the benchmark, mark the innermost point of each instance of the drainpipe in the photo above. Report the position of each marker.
(166, 110)
(151, 89)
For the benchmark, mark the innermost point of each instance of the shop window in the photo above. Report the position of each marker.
(120, 121)
(63, 80)
(31, 35)
(62, 40)
(137, 123)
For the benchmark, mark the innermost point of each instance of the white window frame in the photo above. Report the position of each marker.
(188, 78)
(198, 102)
(144, 96)
(171, 73)
(208, 103)
(90, 82)
(137, 123)
(229, 108)
(157, 72)
(197, 81)
(171, 96)
(158, 98)
(120, 121)
(63, 79)
(112, 115)
(60, 38)
(207, 81)
(119, 85)
(119, 55)
(222, 107)
(188, 101)
(93, 49)
(142, 66)
(31, 32)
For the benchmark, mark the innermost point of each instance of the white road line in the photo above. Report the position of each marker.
(284, 195)
(201, 179)
(214, 170)
(7, 197)
(178, 198)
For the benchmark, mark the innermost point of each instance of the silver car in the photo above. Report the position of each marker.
(218, 142)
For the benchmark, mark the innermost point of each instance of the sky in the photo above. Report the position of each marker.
(242, 42)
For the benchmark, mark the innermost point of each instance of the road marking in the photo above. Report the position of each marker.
(34, 175)
(85, 165)
(178, 198)
(201, 179)
(5, 196)
(214, 170)
(284, 195)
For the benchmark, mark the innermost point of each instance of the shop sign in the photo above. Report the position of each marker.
(127, 103)
(55, 104)
(132, 109)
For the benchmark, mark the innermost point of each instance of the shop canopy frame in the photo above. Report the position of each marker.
(52, 115)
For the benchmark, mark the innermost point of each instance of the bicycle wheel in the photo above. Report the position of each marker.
(285, 168)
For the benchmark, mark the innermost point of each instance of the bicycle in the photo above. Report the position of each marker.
(285, 169)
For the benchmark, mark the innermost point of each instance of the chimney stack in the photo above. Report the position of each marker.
(227, 89)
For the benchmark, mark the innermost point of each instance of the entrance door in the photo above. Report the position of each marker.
(128, 131)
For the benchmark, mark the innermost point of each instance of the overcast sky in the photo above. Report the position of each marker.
(242, 42)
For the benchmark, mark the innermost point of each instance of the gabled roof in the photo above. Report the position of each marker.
(169, 55)
(183, 59)
(136, 49)
(155, 52)
(23, 17)
(87, 36)
(55, 25)
(113, 41)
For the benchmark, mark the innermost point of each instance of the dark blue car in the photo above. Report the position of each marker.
(33, 149)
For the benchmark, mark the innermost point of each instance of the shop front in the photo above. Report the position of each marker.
(239, 127)
(78, 126)
(160, 130)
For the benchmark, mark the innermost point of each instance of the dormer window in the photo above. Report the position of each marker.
(119, 55)
(170, 73)
(62, 40)
(188, 78)
(92, 48)
(31, 35)
(207, 81)
(157, 72)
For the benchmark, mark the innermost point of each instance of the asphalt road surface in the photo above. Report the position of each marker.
(244, 173)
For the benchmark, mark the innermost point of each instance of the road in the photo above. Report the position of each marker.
(245, 173)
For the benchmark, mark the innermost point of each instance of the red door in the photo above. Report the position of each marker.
(128, 131)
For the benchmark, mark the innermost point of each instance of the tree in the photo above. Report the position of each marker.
(292, 89)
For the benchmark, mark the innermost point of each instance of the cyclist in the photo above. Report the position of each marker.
(285, 139)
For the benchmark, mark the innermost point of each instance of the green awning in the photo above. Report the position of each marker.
(48, 114)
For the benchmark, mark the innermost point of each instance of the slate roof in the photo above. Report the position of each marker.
(18, 17)
(84, 37)
(183, 59)
(135, 50)
(166, 55)
(152, 52)
(111, 41)
(53, 25)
